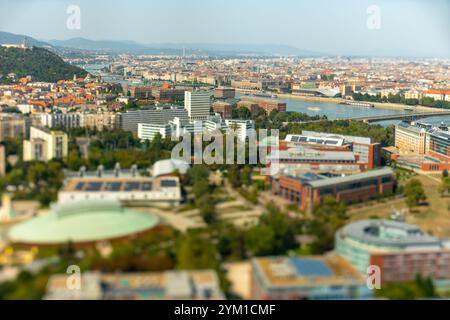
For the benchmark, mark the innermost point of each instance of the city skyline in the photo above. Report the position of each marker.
(323, 27)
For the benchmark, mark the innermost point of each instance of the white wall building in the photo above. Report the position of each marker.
(147, 131)
(45, 145)
(198, 104)
(242, 128)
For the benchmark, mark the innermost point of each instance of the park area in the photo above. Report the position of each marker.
(432, 216)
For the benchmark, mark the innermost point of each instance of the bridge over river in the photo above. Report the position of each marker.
(410, 116)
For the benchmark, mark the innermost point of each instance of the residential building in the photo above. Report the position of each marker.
(438, 95)
(44, 145)
(13, 126)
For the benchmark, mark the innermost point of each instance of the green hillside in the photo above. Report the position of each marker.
(40, 63)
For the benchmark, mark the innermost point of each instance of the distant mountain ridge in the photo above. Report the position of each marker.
(177, 48)
(11, 38)
(40, 63)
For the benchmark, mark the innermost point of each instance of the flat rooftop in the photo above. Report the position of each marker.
(306, 271)
(119, 184)
(388, 233)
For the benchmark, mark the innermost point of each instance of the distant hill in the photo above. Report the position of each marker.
(86, 44)
(11, 38)
(40, 63)
(177, 48)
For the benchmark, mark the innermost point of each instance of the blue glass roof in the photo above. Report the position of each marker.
(311, 268)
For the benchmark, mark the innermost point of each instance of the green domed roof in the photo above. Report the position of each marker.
(85, 221)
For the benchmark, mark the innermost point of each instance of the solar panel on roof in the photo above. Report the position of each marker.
(93, 186)
(131, 185)
(113, 186)
(79, 186)
(168, 183)
(311, 268)
(147, 186)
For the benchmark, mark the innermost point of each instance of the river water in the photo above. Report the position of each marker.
(330, 109)
(340, 111)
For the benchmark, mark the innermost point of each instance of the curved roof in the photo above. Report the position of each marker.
(86, 221)
(168, 166)
(388, 233)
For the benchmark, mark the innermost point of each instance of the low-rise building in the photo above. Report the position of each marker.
(309, 189)
(400, 250)
(166, 285)
(314, 278)
(126, 186)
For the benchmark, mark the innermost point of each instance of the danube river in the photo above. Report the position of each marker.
(340, 111)
(330, 109)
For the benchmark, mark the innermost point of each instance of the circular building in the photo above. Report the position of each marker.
(358, 240)
(82, 222)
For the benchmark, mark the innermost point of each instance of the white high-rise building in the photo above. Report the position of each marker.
(198, 104)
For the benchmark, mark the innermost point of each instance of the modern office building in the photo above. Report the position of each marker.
(126, 186)
(439, 144)
(359, 240)
(165, 285)
(309, 189)
(410, 138)
(156, 115)
(367, 151)
(301, 159)
(313, 278)
(82, 222)
(197, 104)
(147, 131)
(406, 265)
(44, 145)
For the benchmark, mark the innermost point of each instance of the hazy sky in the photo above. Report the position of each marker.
(407, 27)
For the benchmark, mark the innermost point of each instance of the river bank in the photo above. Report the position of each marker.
(378, 105)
